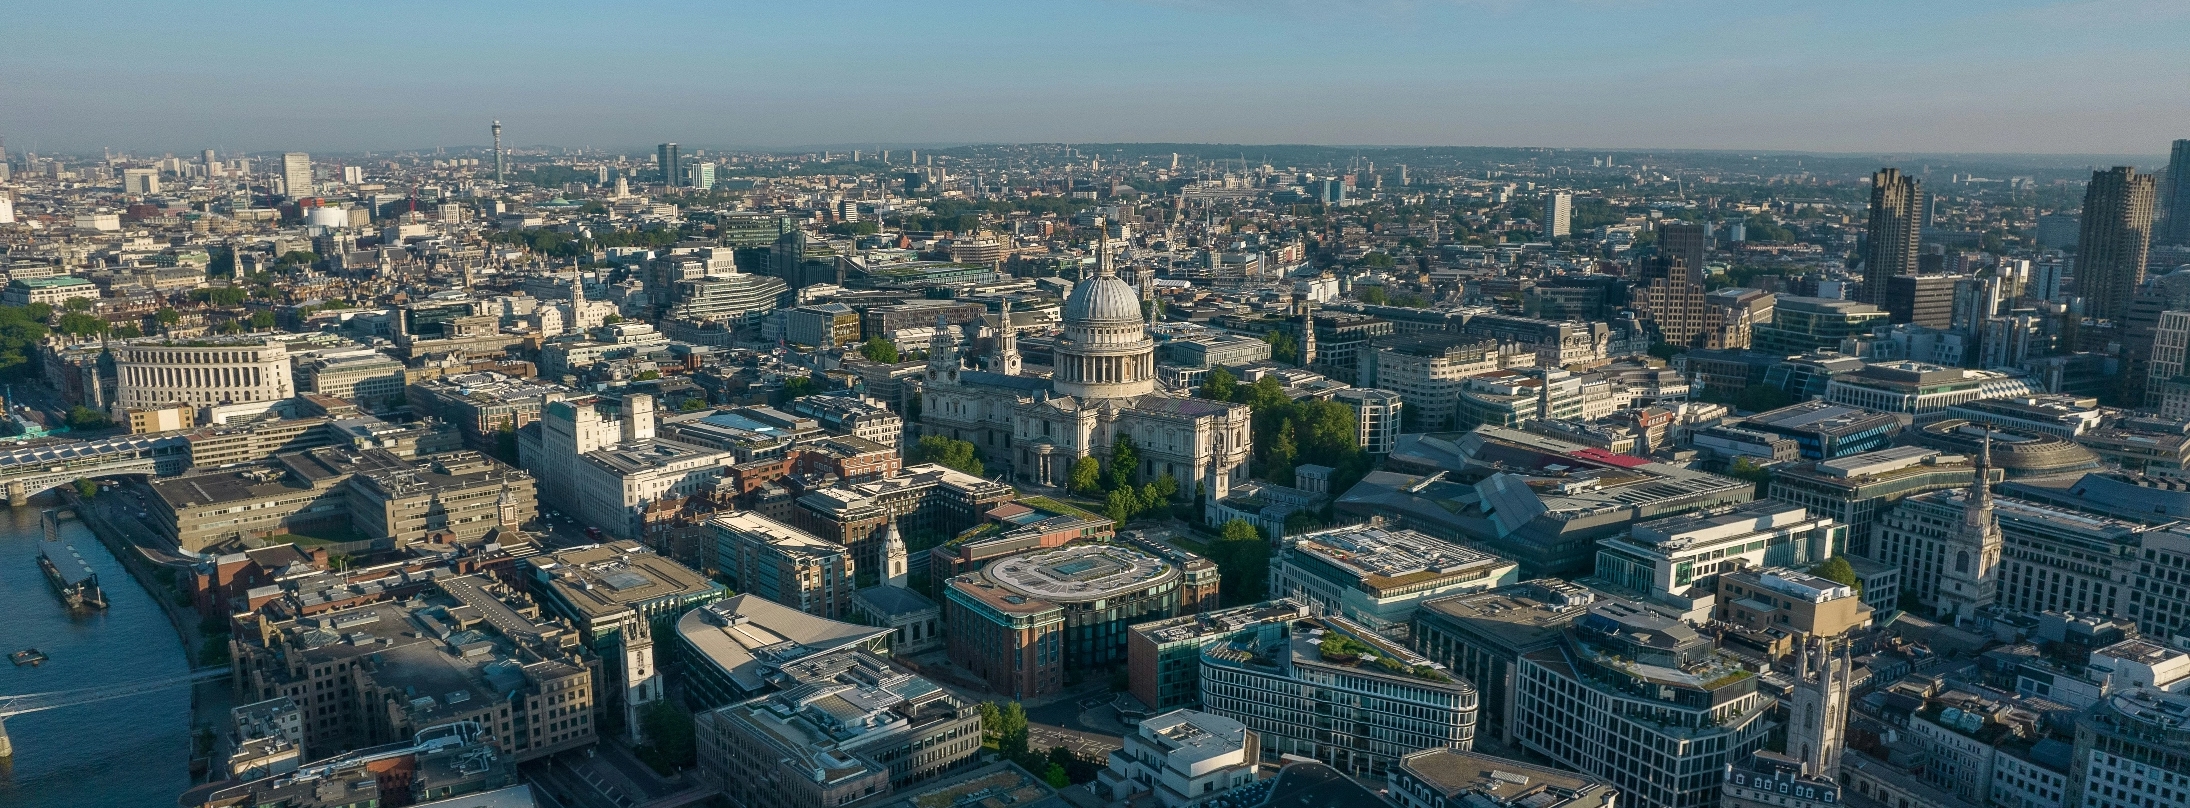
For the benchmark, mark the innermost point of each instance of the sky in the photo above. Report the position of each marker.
(1848, 76)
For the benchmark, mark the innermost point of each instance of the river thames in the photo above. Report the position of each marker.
(127, 752)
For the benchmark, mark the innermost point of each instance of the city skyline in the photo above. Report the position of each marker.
(2026, 78)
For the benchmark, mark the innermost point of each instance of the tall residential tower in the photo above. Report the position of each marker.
(2116, 236)
(1897, 204)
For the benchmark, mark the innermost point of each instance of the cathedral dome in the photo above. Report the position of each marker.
(1102, 299)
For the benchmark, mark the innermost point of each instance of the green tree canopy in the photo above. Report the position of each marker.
(1087, 477)
(880, 350)
(1219, 385)
(949, 453)
(1839, 571)
(1283, 347)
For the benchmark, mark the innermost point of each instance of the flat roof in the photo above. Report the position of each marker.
(1079, 572)
(1506, 782)
(746, 635)
(604, 580)
(1385, 558)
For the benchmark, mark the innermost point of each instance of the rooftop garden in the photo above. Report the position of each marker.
(1345, 650)
(1057, 506)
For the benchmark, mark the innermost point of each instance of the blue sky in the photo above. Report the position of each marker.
(2086, 77)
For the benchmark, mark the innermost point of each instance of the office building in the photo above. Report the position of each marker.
(761, 556)
(1451, 778)
(1804, 324)
(2114, 241)
(1671, 301)
(2133, 751)
(1328, 689)
(1540, 501)
(619, 596)
(1925, 300)
(1163, 657)
(1823, 431)
(53, 291)
(1558, 215)
(1378, 415)
(1377, 576)
(1774, 610)
(738, 648)
(1640, 699)
(1767, 779)
(1481, 636)
(1182, 758)
(846, 727)
(1923, 391)
(1853, 490)
(463, 648)
(144, 181)
(2176, 197)
(1679, 560)
(1023, 620)
(250, 371)
(1427, 371)
(296, 175)
(1896, 224)
(666, 159)
(923, 500)
(367, 378)
(823, 325)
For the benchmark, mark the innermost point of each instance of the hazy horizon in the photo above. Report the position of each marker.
(2091, 78)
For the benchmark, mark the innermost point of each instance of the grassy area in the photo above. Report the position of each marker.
(1055, 505)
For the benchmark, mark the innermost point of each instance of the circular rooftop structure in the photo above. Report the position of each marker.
(2019, 455)
(1103, 299)
(1080, 572)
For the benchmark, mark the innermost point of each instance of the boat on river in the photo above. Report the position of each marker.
(28, 656)
(72, 579)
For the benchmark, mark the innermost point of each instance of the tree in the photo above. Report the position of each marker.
(296, 258)
(1125, 462)
(1121, 505)
(76, 304)
(1055, 776)
(1747, 469)
(128, 331)
(79, 324)
(1762, 398)
(692, 405)
(261, 320)
(1242, 556)
(1087, 476)
(86, 488)
(949, 453)
(1219, 385)
(1373, 295)
(1283, 347)
(880, 350)
(1011, 729)
(799, 387)
(647, 375)
(612, 319)
(505, 442)
(1665, 350)
(669, 732)
(1166, 487)
(82, 417)
(20, 328)
(1839, 571)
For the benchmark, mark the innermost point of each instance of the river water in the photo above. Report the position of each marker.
(127, 752)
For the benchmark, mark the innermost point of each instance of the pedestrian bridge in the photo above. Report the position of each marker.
(30, 470)
(39, 702)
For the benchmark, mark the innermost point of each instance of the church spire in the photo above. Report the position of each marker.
(1007, 342)
(894, 572)
(1103, 268)
(1978, 513)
